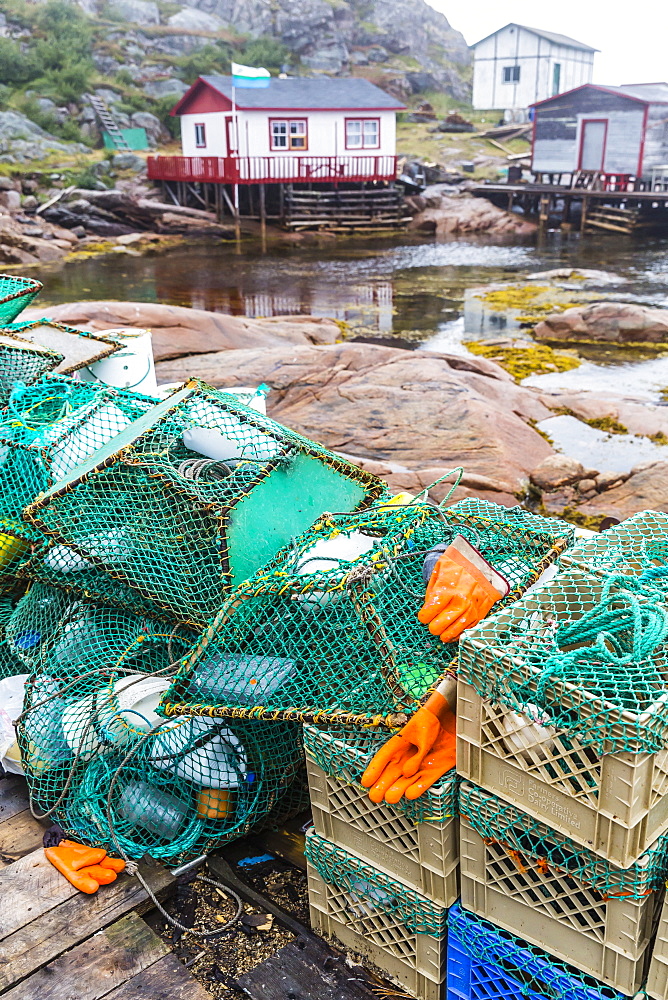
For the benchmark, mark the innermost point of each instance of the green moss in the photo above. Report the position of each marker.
(658, 438)
(608, 424)
(534, 424)
(92, 250)
(574, 516)
(521, 362)
(345, 330)
(582, 520)
(534, 301)
(663, 393)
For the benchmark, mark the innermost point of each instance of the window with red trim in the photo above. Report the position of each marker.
(362, 133)
(200, 135)
(288, 134)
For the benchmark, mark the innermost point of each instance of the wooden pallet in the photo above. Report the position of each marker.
(58, 944)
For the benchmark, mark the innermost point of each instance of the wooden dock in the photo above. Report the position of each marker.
(59, 944)
(616, 211)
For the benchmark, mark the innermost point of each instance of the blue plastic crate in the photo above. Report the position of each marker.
(487, 963)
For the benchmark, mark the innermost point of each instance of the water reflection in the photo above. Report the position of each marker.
(399, 287)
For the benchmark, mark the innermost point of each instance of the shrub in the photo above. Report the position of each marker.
(265, 52)
(16, 67)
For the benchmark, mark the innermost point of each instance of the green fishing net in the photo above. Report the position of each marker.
(504, 967)
(103, 764)
(369, 894)
(345, 753)
(78, 348)
(16, 294)
(190, 500)
(329, 630)
(10, 663)
(584, 654)
(59, 566)
(637, 547)
(46, 430)
(543, 855)
(21, 361)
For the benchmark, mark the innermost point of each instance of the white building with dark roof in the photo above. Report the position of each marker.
(294, 129)
(300, 149)
(518, 66)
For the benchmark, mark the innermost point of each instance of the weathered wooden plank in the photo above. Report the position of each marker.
(19, 835)
(97, 966)
(29, 888)
(13, 796)
(302, 973)
(166, 980)
(74, 919)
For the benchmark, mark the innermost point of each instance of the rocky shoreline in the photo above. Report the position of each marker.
(408, 416)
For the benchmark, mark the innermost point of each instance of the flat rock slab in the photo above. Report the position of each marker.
(179, 331)
(415, 409)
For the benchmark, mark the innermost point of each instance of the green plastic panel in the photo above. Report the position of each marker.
(285, 504)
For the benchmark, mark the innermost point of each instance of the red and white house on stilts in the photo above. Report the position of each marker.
(293, 136)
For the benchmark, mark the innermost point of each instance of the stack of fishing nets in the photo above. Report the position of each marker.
(328, 630)
(151, 533)
(192, 499)
(104, 765)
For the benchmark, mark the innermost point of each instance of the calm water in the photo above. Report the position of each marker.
(384, 288)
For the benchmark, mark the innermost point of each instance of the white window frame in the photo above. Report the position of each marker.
(511, 74)
(295, 129)
(369, 137)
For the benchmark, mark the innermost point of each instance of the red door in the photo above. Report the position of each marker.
(593, 139)
(230, 136)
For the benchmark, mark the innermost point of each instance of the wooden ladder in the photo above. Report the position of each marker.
(617, 220)
(357, 209)
(104, 113)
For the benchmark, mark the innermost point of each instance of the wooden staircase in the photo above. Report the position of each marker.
(616, 220)
(109, 123)
(338, 209)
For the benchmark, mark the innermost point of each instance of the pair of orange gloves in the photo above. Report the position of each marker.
(462, 588)
(87, 868)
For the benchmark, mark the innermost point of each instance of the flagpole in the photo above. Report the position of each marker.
(235, 132)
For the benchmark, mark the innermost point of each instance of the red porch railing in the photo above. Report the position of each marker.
(272, 169)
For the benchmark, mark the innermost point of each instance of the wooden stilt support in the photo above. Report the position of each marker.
(583, 215)
(263, 212)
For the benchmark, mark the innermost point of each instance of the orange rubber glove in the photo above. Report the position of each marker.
(463, 587)
(403, 755)
(439, 761)
(86, 868)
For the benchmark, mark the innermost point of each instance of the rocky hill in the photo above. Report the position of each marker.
(141, 55)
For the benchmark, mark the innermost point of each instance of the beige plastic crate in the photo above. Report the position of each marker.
(657, 980)
(607, 937)
(616, 804)
(423, 855)
(364, 926)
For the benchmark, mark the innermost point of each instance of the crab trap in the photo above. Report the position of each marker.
(47, 429)
(102, 763)
(191, 499)
(329, 631)
(16, 294)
